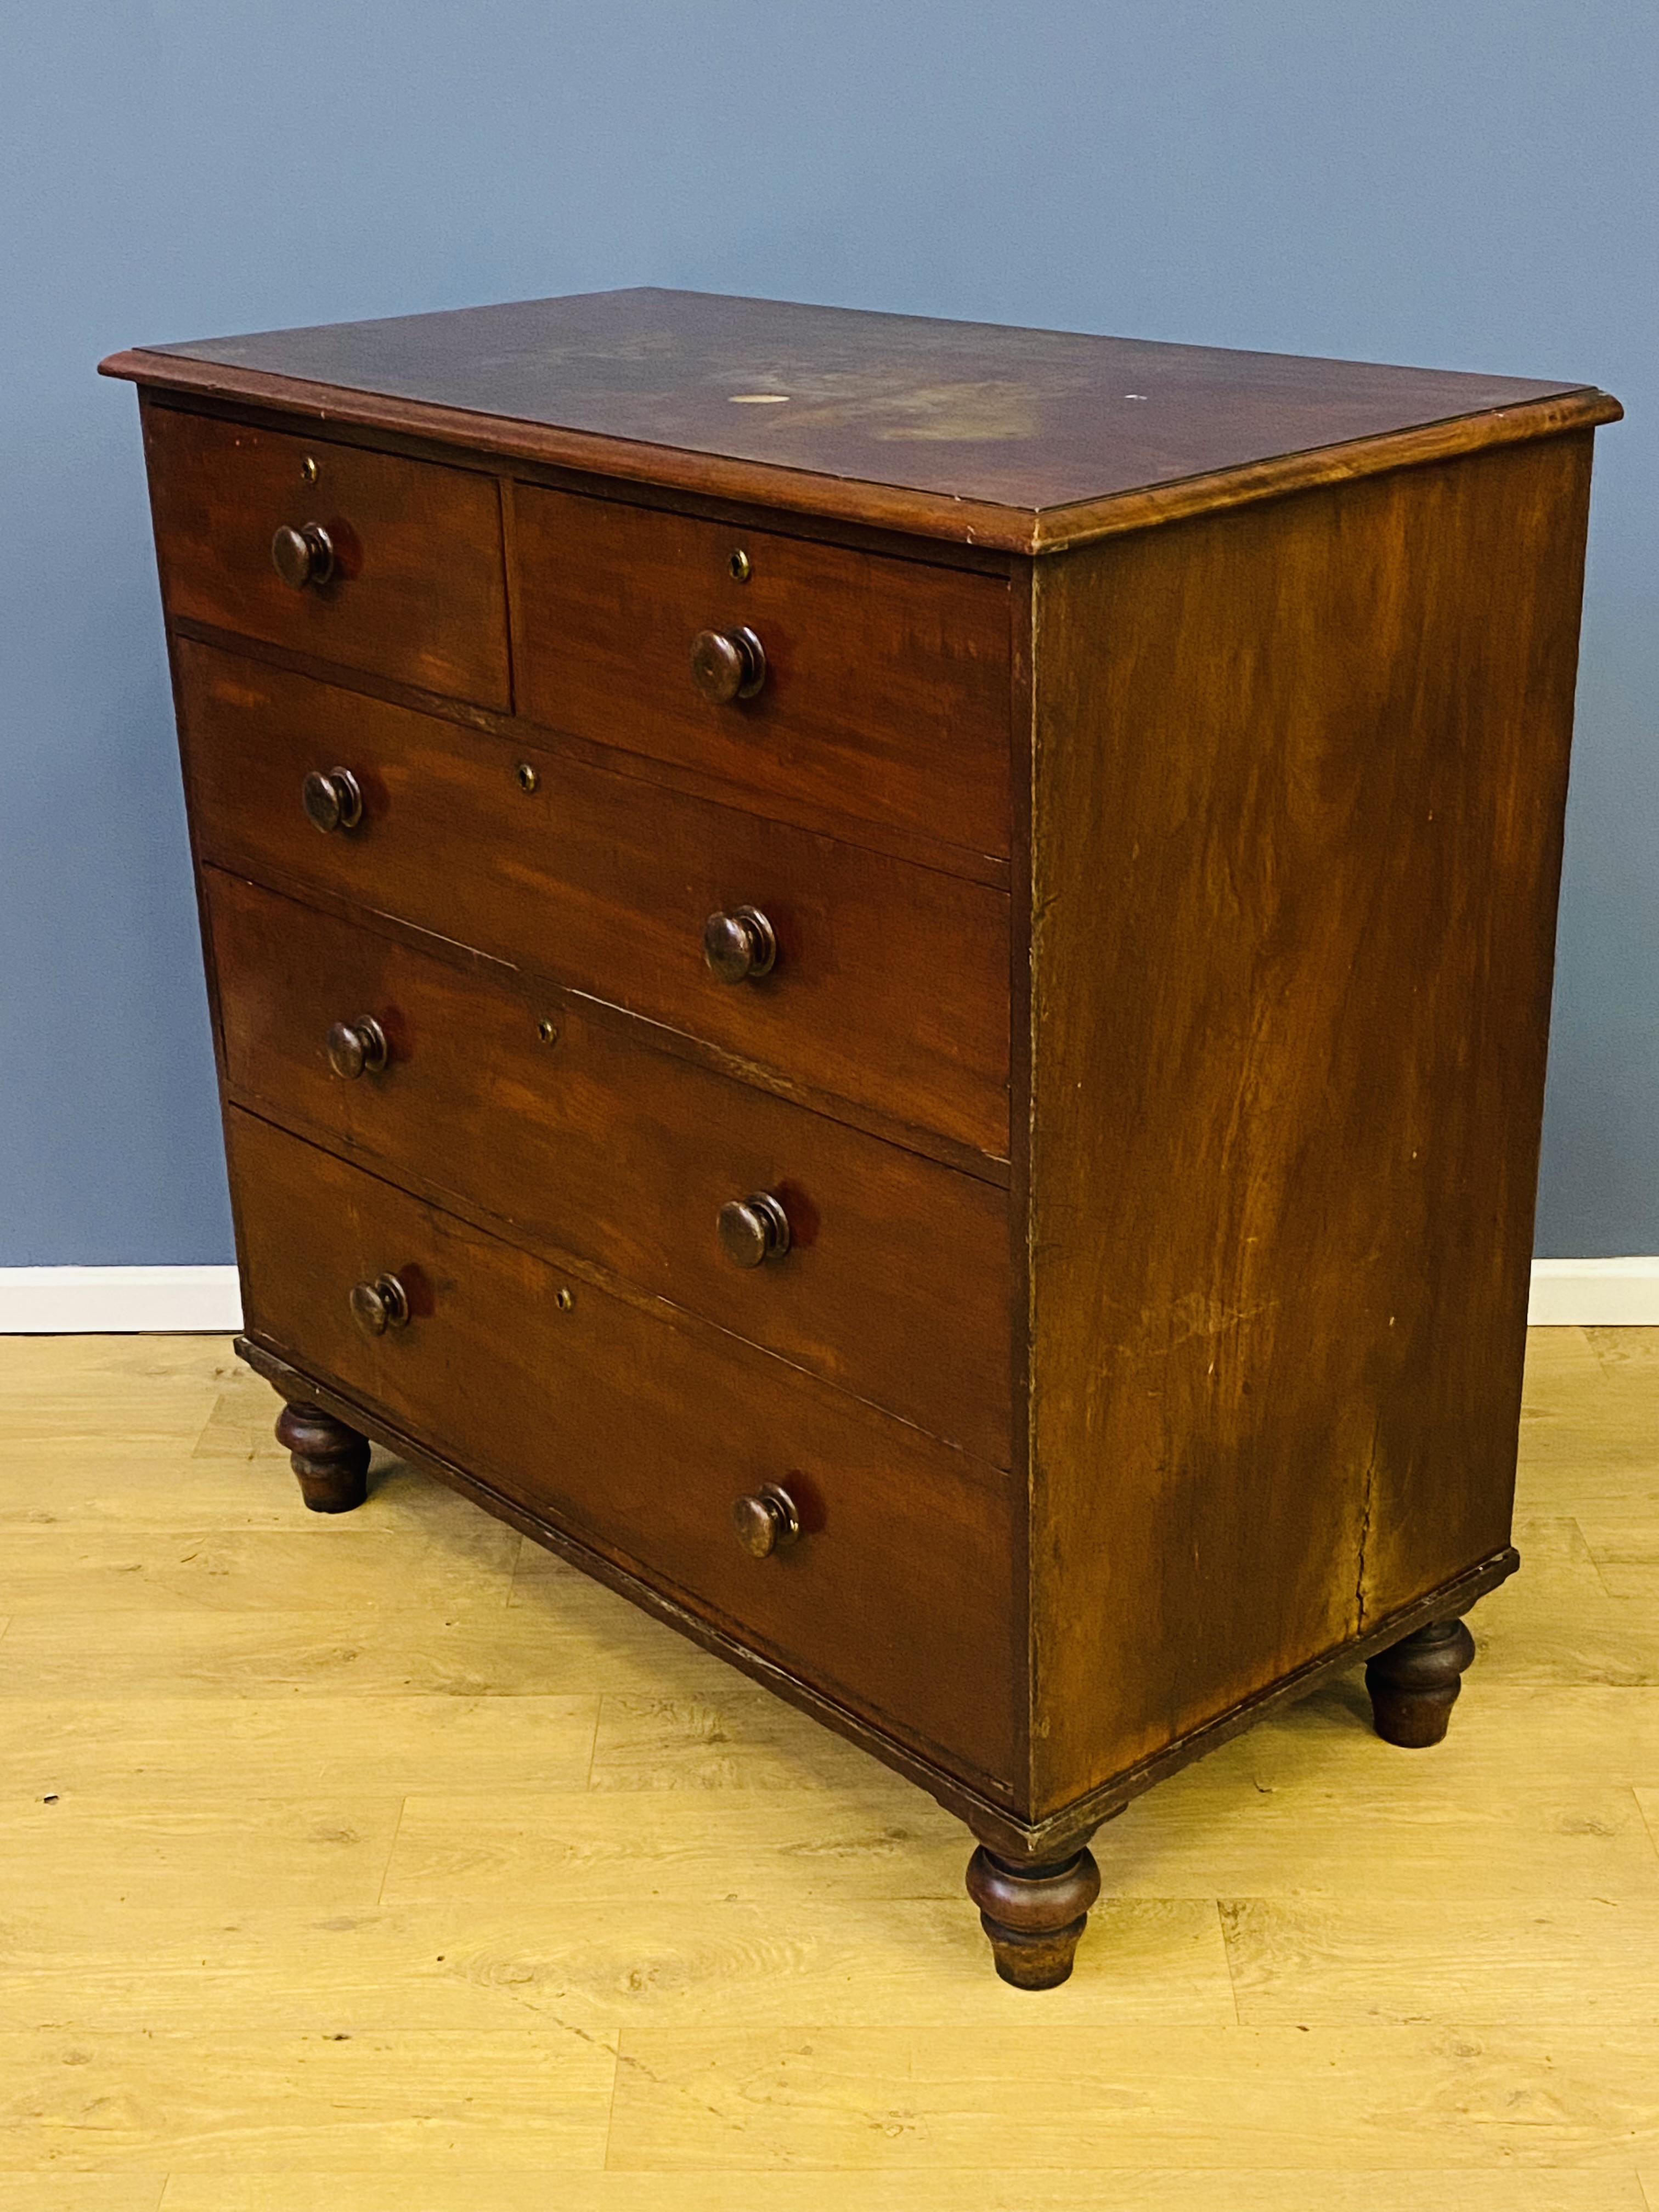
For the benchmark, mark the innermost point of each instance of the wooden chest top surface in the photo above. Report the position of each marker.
(1024, 438)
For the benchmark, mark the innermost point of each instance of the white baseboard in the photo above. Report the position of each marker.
(119, 1301)
(132, 1301)
(1595, 1293)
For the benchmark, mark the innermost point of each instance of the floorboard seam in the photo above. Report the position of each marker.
(1653, 1832)
(1227, 1954)
(392, 1852)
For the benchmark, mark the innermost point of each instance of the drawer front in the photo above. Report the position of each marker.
(894, 1280)
(890, 986)
(886, 682)
(417, 589)
(638, 1434)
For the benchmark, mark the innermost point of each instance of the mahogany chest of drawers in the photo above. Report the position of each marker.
(888, 979)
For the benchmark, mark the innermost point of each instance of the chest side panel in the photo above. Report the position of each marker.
(1298, 787)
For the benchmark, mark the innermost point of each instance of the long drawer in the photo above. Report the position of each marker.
(881, 687)
(639, 1434)
(893, 1280)
(414, 582)
(891, 981)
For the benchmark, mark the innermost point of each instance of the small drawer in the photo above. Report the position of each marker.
(889, 985)
(887, 1276)
(407, 578)
(641, 1434)
(884, 684)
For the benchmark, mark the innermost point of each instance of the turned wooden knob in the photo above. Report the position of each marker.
(727, 664)
(302, 556)
(380, 1306)
(766, 1520)
(357, 1047)
(741, 945)
(334, 801)
(753, 1229)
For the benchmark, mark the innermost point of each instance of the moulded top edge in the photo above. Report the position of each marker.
(1017, 441)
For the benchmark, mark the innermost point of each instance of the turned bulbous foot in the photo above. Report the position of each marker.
(1033, 1914)
(329, 1459)
(1415, 1683)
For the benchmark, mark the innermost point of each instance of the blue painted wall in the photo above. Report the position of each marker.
(1471, 186)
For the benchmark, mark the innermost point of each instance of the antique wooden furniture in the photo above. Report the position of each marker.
(888, 980)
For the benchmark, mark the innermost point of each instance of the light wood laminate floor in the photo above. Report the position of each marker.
(383, 1864)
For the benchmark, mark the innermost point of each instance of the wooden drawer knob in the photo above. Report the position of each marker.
(753, 1229)
(727, 664)
(358, 1047)
(334, 801)
(380, 1306)
(302, 556)
(767, 1520)
(741, 945)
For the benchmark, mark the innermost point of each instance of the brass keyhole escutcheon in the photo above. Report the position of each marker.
(526, 778)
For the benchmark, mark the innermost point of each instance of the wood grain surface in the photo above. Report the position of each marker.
(321, 1870)
(891, 983)
(963, 431)
(420, 587)
(1291, 981)
(638, 1433)
(886, 682)
(895, 1285)
(1282, 867)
